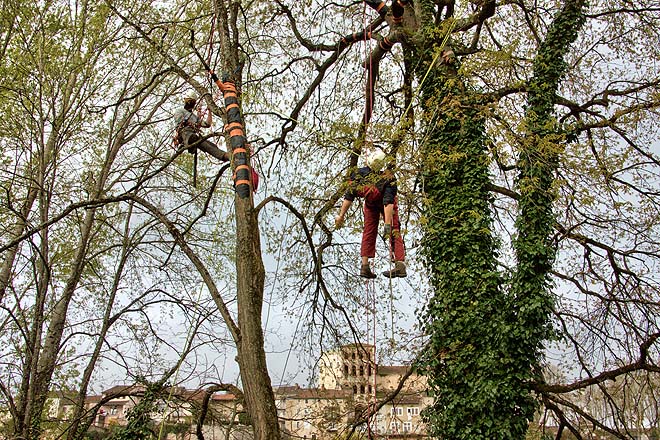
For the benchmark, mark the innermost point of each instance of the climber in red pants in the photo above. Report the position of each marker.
(377, 186)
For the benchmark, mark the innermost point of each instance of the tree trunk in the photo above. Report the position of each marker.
(465, 365)
(19, 228)
(257, 388)
(537, 163)
(486, 340)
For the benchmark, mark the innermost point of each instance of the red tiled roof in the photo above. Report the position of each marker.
(181, 392)
(92, 399)
(124, 389)
(224, 397)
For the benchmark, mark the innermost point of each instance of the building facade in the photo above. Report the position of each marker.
(351, 385)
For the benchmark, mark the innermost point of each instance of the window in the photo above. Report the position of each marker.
(353, 371)
(407, 426)
(354, 389)
(413, 411)
(361, 389)
(361, 370)
(297, 424)
(353, 355)
(345, 370)
(112, 411)
(369, 389)
(397, 411)
(369, 370)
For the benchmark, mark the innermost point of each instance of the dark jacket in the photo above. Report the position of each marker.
(374, 187)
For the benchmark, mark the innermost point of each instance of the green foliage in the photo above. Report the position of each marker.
(244, 418)
(486, 340)
(97, 435)
(176, 428)
(469, 366)
(537, 163)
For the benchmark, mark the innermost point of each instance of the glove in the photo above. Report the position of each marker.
(387, 231)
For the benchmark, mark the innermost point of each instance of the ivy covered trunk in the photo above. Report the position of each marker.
(468, 365)
(486, 334)
(537, 164)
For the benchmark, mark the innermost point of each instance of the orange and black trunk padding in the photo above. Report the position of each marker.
(385, 44)
(378, 6)
(237, 141)
(352, 38)
(397, 10)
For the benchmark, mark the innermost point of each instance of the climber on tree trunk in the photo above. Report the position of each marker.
(188, 127)
(377, 185)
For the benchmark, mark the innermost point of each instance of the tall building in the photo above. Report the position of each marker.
(351, 367)
(351, 385)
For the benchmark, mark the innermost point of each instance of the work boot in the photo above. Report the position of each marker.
(398, 271)
(365, 272)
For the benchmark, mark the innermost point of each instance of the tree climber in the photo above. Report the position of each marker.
(188, 127)
(377, 185)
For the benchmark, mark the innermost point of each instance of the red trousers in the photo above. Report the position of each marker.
(372, 213)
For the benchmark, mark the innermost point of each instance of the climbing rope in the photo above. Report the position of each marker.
(371, 300)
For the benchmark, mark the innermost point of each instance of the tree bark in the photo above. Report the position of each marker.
(257, 387)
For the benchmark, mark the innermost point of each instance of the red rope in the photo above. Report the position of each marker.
(210, 50)
(369, 90)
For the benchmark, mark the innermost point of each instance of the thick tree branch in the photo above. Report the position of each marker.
(640, 364)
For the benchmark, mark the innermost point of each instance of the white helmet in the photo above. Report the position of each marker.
(376, 159)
